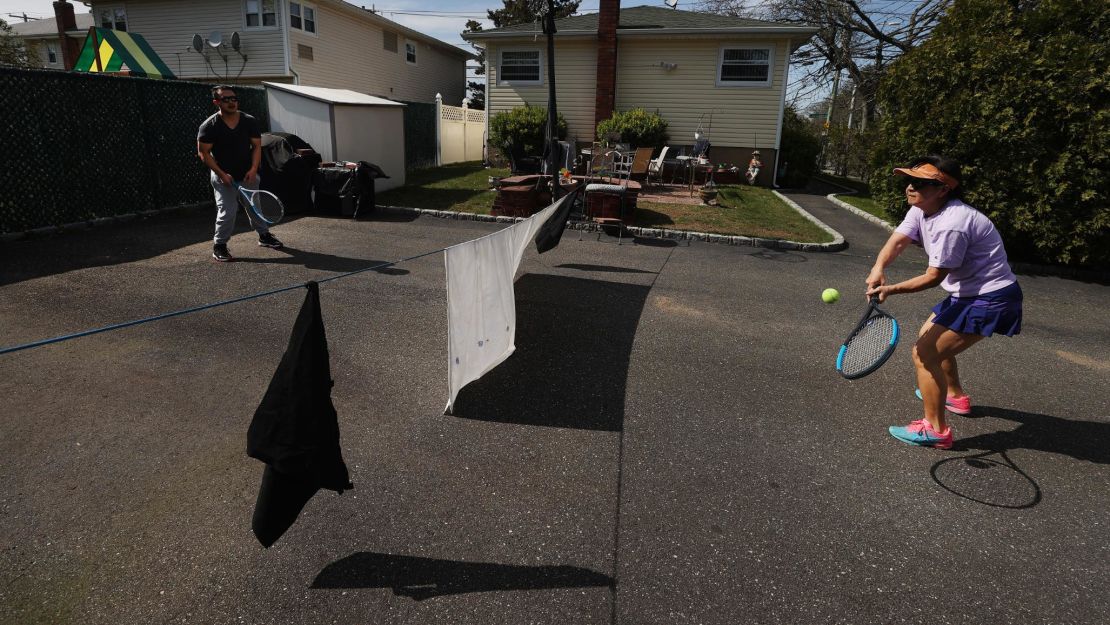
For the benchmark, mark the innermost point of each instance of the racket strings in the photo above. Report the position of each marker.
(870, 345)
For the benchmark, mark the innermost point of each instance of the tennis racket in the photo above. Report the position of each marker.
(265, 205)
(870, 344)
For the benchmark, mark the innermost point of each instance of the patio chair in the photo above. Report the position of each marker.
(655, 167)
(565, 159)
(519, 162)
(604, 179)
(641, 160)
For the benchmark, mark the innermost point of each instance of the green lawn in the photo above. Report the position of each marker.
(862, 199)
(461, 187)
(741, 210)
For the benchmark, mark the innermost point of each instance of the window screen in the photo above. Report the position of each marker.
(520, 66)
(745, 65)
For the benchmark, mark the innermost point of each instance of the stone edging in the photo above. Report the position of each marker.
(835, 245)
(862, 213)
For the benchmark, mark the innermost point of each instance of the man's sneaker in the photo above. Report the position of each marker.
(269, 240)
(220, 253)
(955, 405)
(921, 433)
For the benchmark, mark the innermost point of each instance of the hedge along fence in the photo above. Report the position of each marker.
(83, 146)
(420, 135)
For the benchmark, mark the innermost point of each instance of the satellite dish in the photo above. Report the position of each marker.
(215, 39)
(671, 3)
(198, 43)
(235, 44)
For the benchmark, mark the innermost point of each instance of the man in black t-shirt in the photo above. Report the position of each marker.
(230, 144)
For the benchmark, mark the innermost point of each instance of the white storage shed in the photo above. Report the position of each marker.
(343, 125)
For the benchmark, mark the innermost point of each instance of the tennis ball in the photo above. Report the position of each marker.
(830, 296)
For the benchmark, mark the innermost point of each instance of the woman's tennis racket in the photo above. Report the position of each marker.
(265, 205)
(870, 344)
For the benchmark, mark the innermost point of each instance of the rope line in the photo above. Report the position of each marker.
(185, 311)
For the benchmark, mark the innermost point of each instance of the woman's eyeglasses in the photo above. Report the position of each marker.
(925, 182)
(228, 98)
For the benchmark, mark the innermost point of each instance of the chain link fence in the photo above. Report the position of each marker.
(84, 146)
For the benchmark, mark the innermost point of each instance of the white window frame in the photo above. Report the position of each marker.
(520, 83)
(261, 15)
(112, 11)
(51, 53)
(304, 8)
(747, 83)
(415, 52)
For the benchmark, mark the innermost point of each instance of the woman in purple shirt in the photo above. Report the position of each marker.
(967, 259)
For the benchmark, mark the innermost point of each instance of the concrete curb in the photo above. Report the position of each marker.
(862, 213)
(835, 245)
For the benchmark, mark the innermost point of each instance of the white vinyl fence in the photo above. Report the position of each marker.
(460, 133)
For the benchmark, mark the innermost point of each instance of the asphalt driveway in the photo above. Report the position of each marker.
(669, 444)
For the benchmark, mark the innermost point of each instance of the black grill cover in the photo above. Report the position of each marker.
(287, 174)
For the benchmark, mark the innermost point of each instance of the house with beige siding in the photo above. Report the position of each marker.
(318, 43)
(689, 67)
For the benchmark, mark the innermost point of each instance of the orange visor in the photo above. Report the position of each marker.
(925, 170)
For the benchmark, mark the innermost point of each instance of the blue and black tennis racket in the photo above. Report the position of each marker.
(870, 344)
(263, 204)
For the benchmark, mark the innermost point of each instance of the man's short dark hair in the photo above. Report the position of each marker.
(217, 89)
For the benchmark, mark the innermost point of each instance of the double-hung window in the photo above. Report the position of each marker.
(744, 67)
(114, 18)
(260, 13)
(410, 52)
(51, 54)
(519, 67)
(302, 16)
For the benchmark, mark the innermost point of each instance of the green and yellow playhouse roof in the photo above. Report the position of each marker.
(109, 50)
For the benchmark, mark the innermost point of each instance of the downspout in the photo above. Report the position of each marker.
(782, 112)
(288, 56)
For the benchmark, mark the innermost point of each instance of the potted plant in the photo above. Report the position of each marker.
(708, 193)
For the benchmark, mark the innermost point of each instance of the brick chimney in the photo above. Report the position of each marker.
(71, 48)
(605, 99)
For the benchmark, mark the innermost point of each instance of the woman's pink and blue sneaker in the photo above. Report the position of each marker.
(955, 405)
(921, 433)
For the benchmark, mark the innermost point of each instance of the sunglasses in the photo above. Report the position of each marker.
(228, 98)
(919, 183)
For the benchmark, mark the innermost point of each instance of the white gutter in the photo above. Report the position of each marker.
(654, 32)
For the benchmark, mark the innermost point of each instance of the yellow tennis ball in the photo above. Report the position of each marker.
(830, 296)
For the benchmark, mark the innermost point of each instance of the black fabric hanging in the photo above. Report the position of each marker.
(551, 232)
(295, 429)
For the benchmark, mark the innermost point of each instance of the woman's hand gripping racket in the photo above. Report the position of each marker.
(870, 344)
(265, 205)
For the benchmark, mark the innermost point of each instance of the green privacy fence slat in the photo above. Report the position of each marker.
(420, 135)
(83, 146)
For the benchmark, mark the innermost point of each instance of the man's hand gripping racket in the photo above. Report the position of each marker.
(263, 204)
(870, 344)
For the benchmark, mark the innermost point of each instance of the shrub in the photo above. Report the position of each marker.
(1016, 91)
(525, 126)
(799, 149)
(636, 127)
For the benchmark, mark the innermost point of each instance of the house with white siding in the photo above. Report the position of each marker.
(42, 42)
(689, 67)
(321, 43)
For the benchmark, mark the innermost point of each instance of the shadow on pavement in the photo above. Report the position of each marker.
(608, 268)
(112, 244)
(570, 369)
(326, 262)
(991, 478)
(424, 578)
